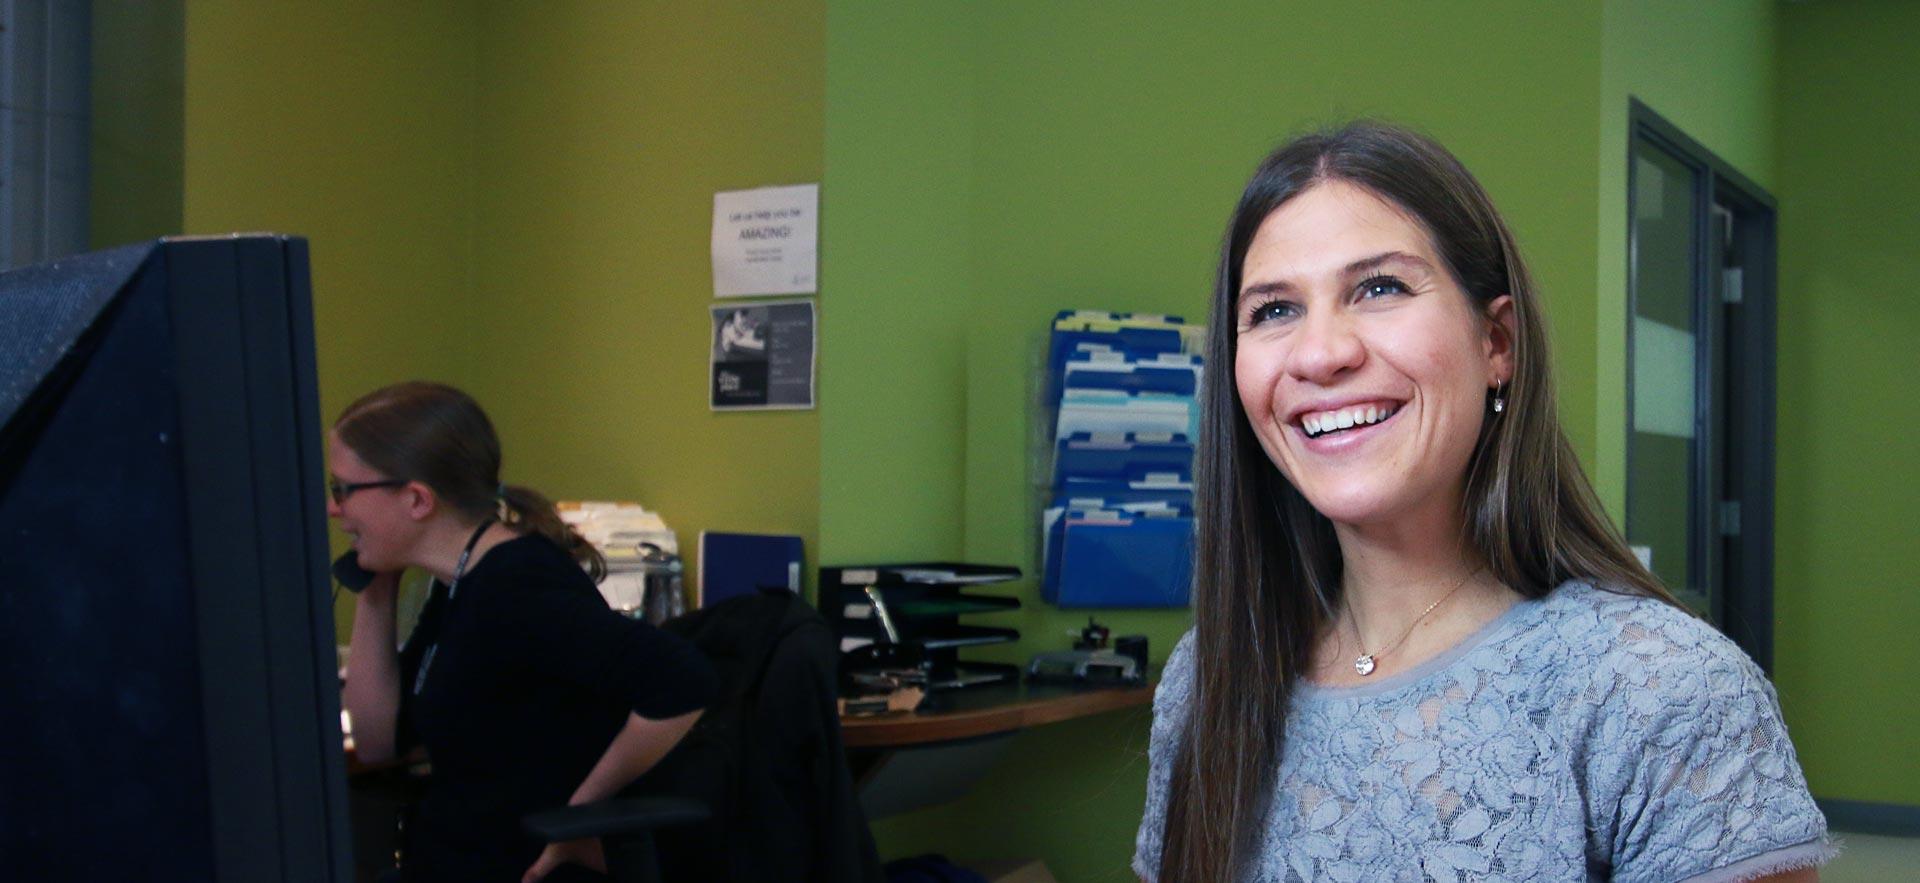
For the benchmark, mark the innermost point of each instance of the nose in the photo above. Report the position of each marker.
(333, 506)
(1325, 346)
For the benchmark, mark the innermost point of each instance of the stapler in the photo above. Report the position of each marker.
(1090, 662)
(1084, 666)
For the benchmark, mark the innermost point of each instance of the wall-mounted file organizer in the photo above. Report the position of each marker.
(1122, 404)
(917, 608)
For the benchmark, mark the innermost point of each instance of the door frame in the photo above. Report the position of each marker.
(1744, 607)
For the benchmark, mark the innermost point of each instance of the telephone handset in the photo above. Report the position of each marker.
(348, 572)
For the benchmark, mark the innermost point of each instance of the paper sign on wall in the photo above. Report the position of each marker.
(762, 355)
(766, 241)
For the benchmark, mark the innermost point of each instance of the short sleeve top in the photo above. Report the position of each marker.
(1587, 735)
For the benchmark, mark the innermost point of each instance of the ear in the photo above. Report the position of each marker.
(421, 501)
(1500, 340)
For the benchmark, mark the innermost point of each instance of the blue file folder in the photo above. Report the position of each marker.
(1170, 373)
(1079, 332)
(1113, 411)
(1093, 494)
(1126, 456)
(1112, 558)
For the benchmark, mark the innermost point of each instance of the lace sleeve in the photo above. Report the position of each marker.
(1691, 774)
(1170, 700)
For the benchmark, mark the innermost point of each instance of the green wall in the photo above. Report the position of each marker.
(347, 123)
(602, 134)
(1847, 475)
(897, 229)
(350, 124)
(138, 79)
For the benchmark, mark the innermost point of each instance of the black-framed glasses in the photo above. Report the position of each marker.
(341, 490)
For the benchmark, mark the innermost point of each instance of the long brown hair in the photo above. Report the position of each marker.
(437, 435)
(1267, 566)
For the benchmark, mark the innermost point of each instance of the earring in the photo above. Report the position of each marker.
(1499, 398)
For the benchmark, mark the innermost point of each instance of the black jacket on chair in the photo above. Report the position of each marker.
(766, 756)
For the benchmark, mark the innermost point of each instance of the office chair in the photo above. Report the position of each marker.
(759, 789)
(626, 828)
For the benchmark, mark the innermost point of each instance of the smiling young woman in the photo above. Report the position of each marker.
(1420, 650)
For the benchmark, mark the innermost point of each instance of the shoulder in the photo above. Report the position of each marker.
(528, 567)
(1607, 640)
(1176, 680)
(1677, 738)
(1173, 694)
(531, 552)
(1643, 682)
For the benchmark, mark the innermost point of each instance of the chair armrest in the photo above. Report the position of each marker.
(617, 816)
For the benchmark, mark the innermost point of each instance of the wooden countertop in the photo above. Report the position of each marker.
(981, 711)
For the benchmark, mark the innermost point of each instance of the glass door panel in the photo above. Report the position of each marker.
(1664, 463)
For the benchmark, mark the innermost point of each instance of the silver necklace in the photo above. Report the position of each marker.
(1367, 662)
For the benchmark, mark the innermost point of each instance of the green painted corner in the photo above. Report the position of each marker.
(895, 212)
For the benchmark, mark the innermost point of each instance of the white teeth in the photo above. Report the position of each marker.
(1328, 421)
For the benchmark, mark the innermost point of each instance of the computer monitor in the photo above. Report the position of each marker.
(166, 639)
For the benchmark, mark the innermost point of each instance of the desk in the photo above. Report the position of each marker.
(903, 761)
(981, 711)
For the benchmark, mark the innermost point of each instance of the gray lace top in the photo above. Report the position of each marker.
(1583, 736)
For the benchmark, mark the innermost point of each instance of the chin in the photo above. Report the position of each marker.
(1358, 505)
(374, 560)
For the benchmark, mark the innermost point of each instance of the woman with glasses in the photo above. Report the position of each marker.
(526, 690)
(1420, 650)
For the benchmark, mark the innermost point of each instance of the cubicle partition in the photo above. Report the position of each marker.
(166, 638)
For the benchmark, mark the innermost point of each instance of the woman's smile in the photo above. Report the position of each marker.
(1338, 430)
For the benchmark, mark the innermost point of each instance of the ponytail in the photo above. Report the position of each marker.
(437, 435)
(529, 511)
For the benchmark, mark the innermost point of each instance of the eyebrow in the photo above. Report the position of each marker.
(1377, 261)
(1363, 265)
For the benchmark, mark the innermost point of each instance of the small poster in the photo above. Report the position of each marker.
(766, 241)
(762, 355)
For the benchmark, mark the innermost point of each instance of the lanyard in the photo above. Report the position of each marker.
(459, 570)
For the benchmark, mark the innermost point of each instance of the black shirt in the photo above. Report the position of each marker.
(532, 677)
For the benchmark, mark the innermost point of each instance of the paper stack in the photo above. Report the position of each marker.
(622, 532)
